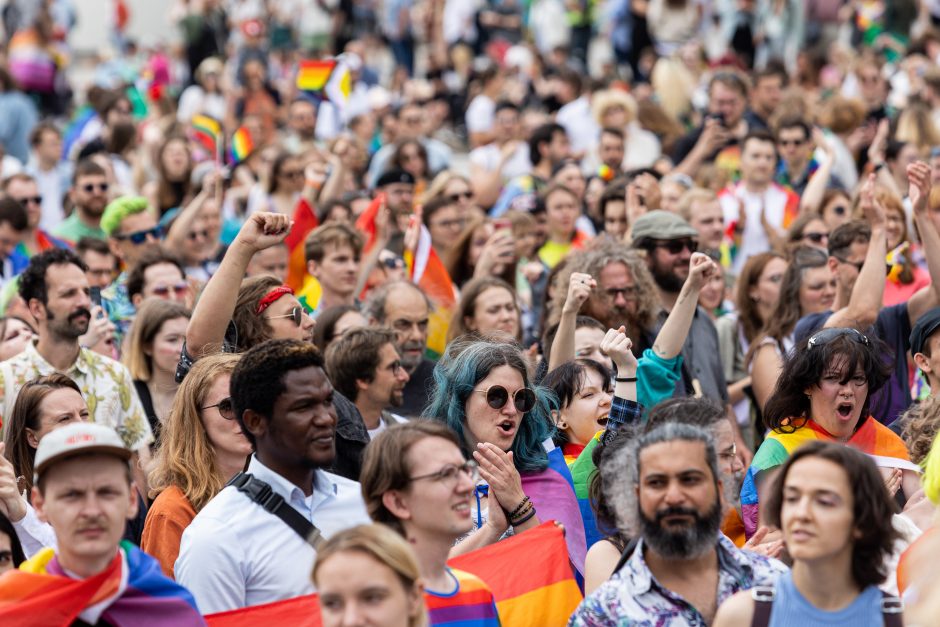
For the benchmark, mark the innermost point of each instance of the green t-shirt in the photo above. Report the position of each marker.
(73, 229)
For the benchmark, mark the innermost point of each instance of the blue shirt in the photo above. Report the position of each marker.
(791, 609)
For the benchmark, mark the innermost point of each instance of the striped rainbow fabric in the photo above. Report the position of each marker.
(471, 604)
(873, 438)
(582, 468)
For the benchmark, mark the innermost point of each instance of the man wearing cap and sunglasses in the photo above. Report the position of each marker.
(83, 489)
(668, 242)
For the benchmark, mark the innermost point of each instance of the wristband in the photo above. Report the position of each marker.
(525, 519)
(625, 379)
(314, 184)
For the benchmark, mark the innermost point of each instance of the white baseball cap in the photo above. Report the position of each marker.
(77, 438)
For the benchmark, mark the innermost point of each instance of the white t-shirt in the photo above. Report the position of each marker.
(487, 158)
(754, 240)
(480, 114)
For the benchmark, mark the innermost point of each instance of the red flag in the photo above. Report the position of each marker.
(366, 222)
(305, 220)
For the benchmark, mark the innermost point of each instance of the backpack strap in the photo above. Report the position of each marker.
(272, 502)
(627, 552)
(892, 610)
(763, 605)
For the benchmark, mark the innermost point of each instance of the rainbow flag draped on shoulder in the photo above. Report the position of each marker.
(40, 594)
(872, 438)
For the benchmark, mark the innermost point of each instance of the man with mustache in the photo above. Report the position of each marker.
(402, 307)
(667, 242)
(83, 489)
(238, 552)
(366, 368)
(681, 568)
(55, 289)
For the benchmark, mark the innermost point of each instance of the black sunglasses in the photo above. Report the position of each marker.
(821, 338)
(90, 187)
(460, 195)
(31, 199)
(139, 237)
(297, 313)
(225, 407)
(816, 237)
(676, 246)
(497, 396)
(858, 264)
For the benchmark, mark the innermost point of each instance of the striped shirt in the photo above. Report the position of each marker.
(470, 603)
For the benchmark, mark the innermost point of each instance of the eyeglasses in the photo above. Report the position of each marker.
(825, 336)
(226, 410)
(817, 238)
(467, 195)
(139, 237)
(791, 142)
(676, 246)
(449, 474)
(393, 263)
(628, 293)
(395, 367)
(36, 200)
(297, 313)
(198, 234)
(858, 264)
(497, 396)
(89, 188)
(164, 290)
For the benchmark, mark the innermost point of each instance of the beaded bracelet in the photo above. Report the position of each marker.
(521, 513)
(519, 507)
(524, 519)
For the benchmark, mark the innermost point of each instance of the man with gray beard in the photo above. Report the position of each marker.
(682, 568)
(405, 309)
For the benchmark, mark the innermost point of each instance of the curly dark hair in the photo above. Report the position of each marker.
(33, 278)
(789, 407)
(872, 507)
(258, 379)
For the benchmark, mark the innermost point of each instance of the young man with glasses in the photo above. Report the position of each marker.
(89, 196)
(23, 189)
(797, 164)
(365, 367)
(415, 480)
(238, 553)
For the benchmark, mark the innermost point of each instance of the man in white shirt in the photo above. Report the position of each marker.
(367, 370)
(503, 159)
(575, 114)
(236, 553)
(759, 208)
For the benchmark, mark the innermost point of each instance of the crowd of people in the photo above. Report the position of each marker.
(665, 273)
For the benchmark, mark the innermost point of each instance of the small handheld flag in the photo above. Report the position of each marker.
(206, 131)
(241, 146)
(313, 75)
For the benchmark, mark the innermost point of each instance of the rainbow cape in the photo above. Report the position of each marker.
(41, 595)
(872, 438)
(242, 145)
(530, 576)
(427, 271)
(305, 220)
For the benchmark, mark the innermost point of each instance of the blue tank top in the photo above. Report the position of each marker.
(791, 609)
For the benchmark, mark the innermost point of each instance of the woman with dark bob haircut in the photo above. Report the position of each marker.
(824, 393)
(483, 392)
(835, 514)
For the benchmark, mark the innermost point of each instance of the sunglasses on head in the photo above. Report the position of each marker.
(821, 338)
(91, 187)
(297, 313)
(497, 396)
(226, 410)
(164, 290)
(139, 237)
(676, 246)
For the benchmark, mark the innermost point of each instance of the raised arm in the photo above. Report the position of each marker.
(812, 197)
(579, 290)
(182, 224)
(868, 292)
(918, 175)
(217, 303)
(672, 336)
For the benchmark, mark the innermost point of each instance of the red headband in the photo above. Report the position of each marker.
(272, 296)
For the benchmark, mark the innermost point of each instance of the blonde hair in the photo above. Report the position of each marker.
(440, 182)
(186, 457)
(673, 85)
(694, 195)
(385, 546)
(607, 98)
(915, 126)
(150, 318)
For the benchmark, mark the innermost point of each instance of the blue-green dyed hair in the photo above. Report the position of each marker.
(467, 362)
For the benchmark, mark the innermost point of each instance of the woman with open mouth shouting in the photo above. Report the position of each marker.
(483, 393)
(824, 393)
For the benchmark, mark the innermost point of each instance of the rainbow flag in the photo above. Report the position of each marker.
(298, 612)
(41, 595)
(872, 438)
(427, 271)
(241, 145)
(305, 220)
(206, 132)
(530, 576)
(365, 223)
(313, 75)
(582, 469)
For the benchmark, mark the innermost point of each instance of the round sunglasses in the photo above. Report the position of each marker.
(225, 407)
(497, 396)
(297, 313)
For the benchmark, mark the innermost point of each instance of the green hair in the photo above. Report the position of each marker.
(119, 209)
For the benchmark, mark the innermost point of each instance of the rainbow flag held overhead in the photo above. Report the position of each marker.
(312, 75)
(530, 576)
(241, 146)
(873, 438)
(40, 594)
(207, 132)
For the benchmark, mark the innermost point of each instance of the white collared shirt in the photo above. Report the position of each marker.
(235, 554)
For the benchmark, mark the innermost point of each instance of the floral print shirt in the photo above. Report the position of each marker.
(106, 385)
(632, 596)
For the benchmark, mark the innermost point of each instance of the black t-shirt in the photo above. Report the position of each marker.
(417, 391)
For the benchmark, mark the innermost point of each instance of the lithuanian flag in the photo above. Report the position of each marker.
(207, 132)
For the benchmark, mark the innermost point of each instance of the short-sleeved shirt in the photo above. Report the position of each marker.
(106, 385)
(73, 229)
(471, 602)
